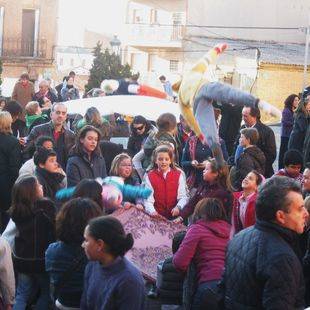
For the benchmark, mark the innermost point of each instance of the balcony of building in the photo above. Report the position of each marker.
(17, 48)
(156, 35)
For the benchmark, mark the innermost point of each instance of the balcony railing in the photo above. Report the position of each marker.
(16, 47)
(156, 35)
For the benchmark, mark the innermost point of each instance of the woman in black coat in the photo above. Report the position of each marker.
(86, 160)
(10, 162)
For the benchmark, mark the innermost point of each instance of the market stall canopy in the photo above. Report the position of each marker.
(150, 107)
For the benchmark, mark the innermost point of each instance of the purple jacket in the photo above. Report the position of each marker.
(287, 122)
(205, 243)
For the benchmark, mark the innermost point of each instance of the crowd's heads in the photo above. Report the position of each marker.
(209, 209)
(5, 122)
(2, 103)
(293, 161)
(105, 236)
(166, 122)
(45, 142)
(163, 157)
(162, 78)
(14, 108)
(26, 191)
(280, 201)
(87, 140)
(73, 218)
(252, 181)
(93, 117)
(139, 125)
(291, 102)
(249, 136)
(24, 78)
(46, 159)
(89, 188)
(306, 178)
(44, 86)
(121, 166)
(33, 108)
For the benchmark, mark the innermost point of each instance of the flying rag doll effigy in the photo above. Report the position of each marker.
(196, 92)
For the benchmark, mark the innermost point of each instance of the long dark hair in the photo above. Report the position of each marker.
(24, 196)
(209, 209)
(78, 147)
(111, 231)
(223, 174)
(288, 103)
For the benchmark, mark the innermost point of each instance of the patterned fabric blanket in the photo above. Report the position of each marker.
(153, 239)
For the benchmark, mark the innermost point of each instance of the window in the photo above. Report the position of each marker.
(71, 62)
(28, 33)
(137, 16)
(153, 16)
(174, 66)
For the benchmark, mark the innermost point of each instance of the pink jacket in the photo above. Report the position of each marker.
(205, 243)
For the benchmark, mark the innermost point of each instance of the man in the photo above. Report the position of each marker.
(57, 129)
(23, 90)
(262, 269)
(306, 181)
(59, 87)
(45, 96)
(266, 141)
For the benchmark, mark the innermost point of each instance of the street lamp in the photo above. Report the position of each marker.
(116, 45)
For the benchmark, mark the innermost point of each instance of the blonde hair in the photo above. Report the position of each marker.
(114, 171)
(32, 107)
(5, 122)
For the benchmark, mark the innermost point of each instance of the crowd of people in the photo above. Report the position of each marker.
(246, 243)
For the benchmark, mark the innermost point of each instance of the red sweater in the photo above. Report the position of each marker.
(205, 243)
(250, 218)
(165, 190)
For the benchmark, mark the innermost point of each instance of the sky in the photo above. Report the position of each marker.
(103, 16)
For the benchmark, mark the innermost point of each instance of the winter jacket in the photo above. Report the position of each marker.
(59, 257)
(262, 270)
(109, 150)
(169, 283)
(35, 232)
(282, 172)
(19, 128)
(267, 144)
(250, 217)
(136, 141)
(287, 122)
(69, 93)
(23, 94)
(7, 280)
(79, 167)
(252, 158)
(297, 138)
(306, 146)
(205, 243)
(10, 162)
(207, 190)
(51, 182)
(62, 146)
(35, 120)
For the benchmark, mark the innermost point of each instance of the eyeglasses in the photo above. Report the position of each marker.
(138, 128)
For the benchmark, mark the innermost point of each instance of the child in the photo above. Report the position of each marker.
(34, 115)
(243, 214)
(122, 167)
(168, 185)
(49, 173)
(34, 217)
(252, 157)
(292, 161)
(216, 185)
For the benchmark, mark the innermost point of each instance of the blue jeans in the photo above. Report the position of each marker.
(26, 284)
(205, 296)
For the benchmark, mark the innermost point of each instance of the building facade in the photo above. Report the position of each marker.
(28, 34)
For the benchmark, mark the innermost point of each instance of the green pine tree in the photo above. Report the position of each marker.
(106, 66)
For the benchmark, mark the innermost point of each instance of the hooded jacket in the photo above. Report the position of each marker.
(205, 243)
(252, 158)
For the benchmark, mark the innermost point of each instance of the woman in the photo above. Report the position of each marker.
(243, 214)
(205, 244)
(301, 123)
(68, 91)
(86, 160)
(111, 281)
(93, 117)
(34, 217)
(140, 129)
(10, 162)
(67, 254)
(287, 121)
(215, 184)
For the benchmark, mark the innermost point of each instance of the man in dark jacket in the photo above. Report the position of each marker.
(56, 129)
(262, 268)
(266, 141)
